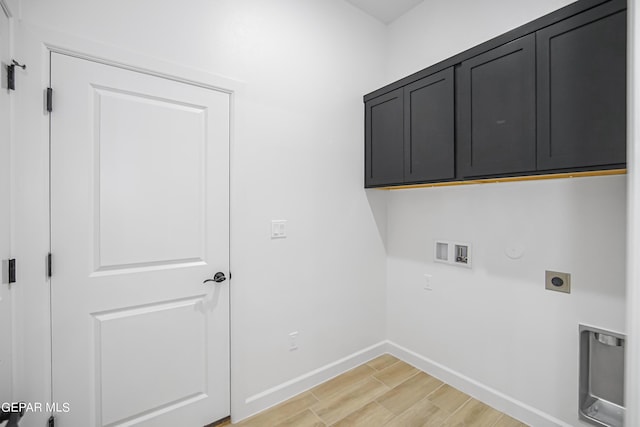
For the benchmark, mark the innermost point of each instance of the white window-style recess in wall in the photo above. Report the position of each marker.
(453, 253)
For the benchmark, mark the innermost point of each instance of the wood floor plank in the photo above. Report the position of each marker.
(382, 362)
(473, 414)
(303, 419)
(342, 382)
(370, 415)
(350, 400)
(384, 391)
(396, 374)
(403, 396)
(507, 421)
(281, 412)
(448, 398)
(422, 414)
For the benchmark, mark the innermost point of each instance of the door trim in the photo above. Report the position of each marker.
(209, 82)
(5, 8)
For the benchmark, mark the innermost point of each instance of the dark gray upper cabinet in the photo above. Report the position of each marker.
(547, 97)
(429, 153)
(384, 140)
(409, 133)
(582, 90)
(496, 107)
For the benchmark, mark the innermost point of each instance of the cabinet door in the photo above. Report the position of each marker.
(384, 140)
(429, 133)
(497, 111)
(582, 90)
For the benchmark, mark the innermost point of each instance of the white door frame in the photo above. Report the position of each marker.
(32, 372)
(632, 392)
(6, 12)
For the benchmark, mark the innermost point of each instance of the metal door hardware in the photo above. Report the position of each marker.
(13, 415)
(219, 277)
(11, 73)
(12, 270)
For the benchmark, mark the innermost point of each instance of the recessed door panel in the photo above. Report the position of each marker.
(150, 192)
(582, 75)
(134, 347)
(429, 153)
(384, 140)
(497, 111)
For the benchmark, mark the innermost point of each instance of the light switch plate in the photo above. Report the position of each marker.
(557, 281)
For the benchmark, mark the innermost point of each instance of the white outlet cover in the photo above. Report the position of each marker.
(428, 279)
(278, 229)
(293, 341)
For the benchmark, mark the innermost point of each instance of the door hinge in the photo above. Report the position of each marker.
(49, 265)
(51, 422)
(12, 270)
(49, 99)
(11, 73)
(11, 77)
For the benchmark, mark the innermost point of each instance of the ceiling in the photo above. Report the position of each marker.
(385, 11)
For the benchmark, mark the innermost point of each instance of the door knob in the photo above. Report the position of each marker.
(219, 277)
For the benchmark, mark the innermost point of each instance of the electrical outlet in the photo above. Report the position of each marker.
(279, 229)
(293, 341)
(557, 281)
(428, 278)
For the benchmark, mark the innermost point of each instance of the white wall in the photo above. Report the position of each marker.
(297, 155)
(437, 29)
(495, 324)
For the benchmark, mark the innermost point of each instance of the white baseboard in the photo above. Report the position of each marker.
(275, 395)
(491, 397)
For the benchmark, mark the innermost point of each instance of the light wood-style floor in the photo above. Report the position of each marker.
(382, 392)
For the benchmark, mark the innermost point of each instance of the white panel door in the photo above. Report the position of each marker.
(139, 221)
(5, 215)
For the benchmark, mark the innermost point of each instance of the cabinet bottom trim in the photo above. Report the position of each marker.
(510, 179)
